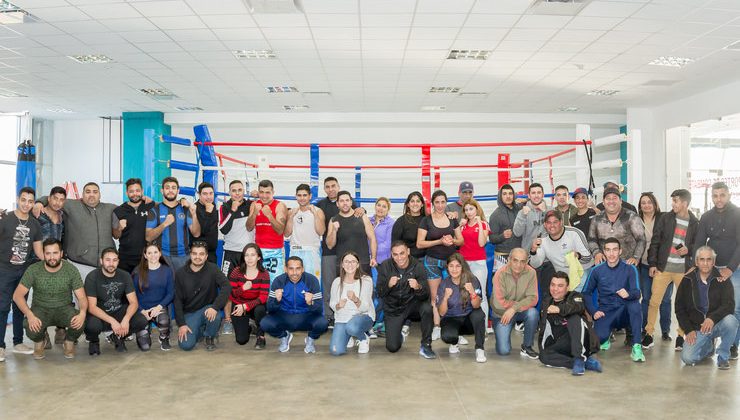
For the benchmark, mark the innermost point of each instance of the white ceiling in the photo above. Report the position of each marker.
(372, 55)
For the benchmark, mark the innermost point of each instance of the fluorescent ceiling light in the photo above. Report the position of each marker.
(255, 54)
(472, 94)
(158, 93)
(568, 109)
(10, 94)
(468, 54)
(60, 110)
(444, 89)
(281, 89)
(188, 108)
(670, 61)
(295, 107)
(433, 108)
(91, 58)
(602, 92)
(317, 93)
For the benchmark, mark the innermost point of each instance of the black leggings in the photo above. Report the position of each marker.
(163, 324)
(473, 323)
(242, 329)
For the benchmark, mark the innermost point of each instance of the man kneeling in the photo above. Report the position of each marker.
(565, 334)
(295, 303)
(705, 310)
(52, 281)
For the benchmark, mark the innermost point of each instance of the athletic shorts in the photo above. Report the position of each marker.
(273, 259)
(311, 259)
(436, 268)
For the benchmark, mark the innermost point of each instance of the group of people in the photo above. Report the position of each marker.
(567, 275)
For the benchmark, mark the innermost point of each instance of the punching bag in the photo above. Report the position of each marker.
(25, 170)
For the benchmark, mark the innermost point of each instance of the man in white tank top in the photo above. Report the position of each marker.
(305, 226)
(233, 225)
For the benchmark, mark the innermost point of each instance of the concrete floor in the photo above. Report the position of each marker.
(240, 382)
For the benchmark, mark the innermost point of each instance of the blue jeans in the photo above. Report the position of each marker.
(703, 347)
(530, 317)
(278, 324)
(736, 285)
(200, 326)
(646, 288)
(176, 262)
(379, 313)
(9, 279)
(355, 327)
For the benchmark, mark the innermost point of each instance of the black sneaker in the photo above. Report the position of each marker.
(647, 341)
(164, 344)
(119, 343)
(427, 352)
(94, 348)
(666, 337)
(529, 352)
(628, 339)
(679, 343)
(733, 353)
(331, 324)
(210, 345)
(723, 364)
(261, 343)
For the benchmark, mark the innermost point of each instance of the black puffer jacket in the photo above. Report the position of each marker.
(398, 297)
(721, 300)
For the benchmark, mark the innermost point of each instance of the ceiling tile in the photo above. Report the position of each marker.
(180, 22)
(163, 8)
(218, 7)
(60, 14)
(110, 11)
(386, 20)
(130, 24)
(229, 21)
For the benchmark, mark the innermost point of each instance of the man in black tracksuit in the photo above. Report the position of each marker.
(705, 307)
(403, 287)
(565, 333)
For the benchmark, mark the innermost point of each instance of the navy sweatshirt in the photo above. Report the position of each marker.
(605, 281)
(160, 288)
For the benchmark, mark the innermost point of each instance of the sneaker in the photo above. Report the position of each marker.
(427, 352)
(733, 353)
(130, 337)
(38, 349)
(404, 332)
(285, 343)
(260, 344)
(529, 352)
(454, 349)
(94, 348)
(373, 334)
(723, 364)
(436, 333)
(579, 367)
(22, 349)
(331, 324)
(647, 342)
(310, 347)
(489, 330)
(666, 337)
(679, 343)
(637, 355)
(363, 346)
(605, 345)
(350, 343)
(47, 341)
(69, 349)
(228, 328)
(60, 335)
(628, 339)
(593, 363)
(462, 341)
(612, 337)
(519, 327)
(119, 343)
(210, 345)
(164, 344)
(2, 354)
(480, 356)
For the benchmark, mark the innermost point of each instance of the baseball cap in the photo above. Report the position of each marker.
(554, 212)
(580, 190)
(611, 190)
(466, 186)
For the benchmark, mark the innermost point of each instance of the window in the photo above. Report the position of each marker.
(9, 138)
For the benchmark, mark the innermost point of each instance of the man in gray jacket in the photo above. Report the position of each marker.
(529, 224)
(620, 223)
(502, 224)
(88, 228)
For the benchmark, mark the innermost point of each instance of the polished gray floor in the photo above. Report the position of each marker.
(240, 382)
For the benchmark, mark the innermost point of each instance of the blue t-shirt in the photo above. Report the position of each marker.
(454, 303)
(175, 237)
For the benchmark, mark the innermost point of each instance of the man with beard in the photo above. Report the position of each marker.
(201, 291)
(170, 221)
(129, 220)
(51, 217)
(267, 217)
(207, 216)
(88, 227)
(52, 282)
(20, 245)
(529, 221)
(112, 304)
(350, 233)
(562, 203)
(233, 225)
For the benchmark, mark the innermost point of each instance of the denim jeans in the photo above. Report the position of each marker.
(646, 287)
(736, 285)
(704, 345)
(200, 325)
(9, 279)
(278, 324)
(530, 317)
(355, 327)
(177, 262)
(480, 271)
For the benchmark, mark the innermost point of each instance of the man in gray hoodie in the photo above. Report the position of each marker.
(88, 228)
(529, 223)
(502, 225)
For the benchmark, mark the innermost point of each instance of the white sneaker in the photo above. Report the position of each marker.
(2, 354)
(350, 343)
(489, 330)
(480, 356)
(519, 327)
(285, 343)
(310, 347)
(462, 341)
(436, 333)
(454, 349)
(22, 349)
(404, 332)
(364, 346)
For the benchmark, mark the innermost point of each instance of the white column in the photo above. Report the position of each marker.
(678, 144)
(583, 132)
(634, 165)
